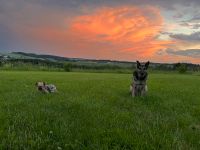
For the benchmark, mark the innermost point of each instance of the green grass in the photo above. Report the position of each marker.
(96, 111)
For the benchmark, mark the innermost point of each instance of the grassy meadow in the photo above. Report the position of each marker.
(96, 111)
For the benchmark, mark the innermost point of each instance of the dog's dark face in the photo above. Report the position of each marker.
(40, 85)
(141, 71)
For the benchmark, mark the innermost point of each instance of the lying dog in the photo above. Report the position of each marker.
(139, 85)
(46, 88)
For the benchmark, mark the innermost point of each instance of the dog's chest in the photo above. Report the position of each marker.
(139, 87)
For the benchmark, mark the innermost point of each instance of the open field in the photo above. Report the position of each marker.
(96, 111)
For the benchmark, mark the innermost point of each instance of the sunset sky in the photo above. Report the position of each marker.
(129, 30)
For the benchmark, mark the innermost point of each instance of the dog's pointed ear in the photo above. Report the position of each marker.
(138, 64)
(44, 83)
(147, 64)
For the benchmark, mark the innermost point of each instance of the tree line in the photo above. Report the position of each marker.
(40, 64)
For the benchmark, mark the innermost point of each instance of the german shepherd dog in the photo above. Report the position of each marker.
(139, 85)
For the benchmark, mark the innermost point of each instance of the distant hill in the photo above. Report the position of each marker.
(23, 55)
(58, 58)
(82, 63)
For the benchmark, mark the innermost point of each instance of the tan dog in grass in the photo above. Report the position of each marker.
(46, 88)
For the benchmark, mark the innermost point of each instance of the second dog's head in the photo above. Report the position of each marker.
(141, 71)
(40, 85)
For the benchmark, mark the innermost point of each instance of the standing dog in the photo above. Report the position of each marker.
(139, 85)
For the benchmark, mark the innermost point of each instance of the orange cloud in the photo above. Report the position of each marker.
(123, 33)
(130, 30)
(126, 24)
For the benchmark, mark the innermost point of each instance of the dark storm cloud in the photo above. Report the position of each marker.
(190, 25)
(194, 18)
(22, 14)
(6, 38)
(193, 37)
(196, 26)
(168, 4)
(76, 3)
(194, 53)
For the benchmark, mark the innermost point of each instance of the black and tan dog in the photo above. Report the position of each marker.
(46, 88)
(139, 85)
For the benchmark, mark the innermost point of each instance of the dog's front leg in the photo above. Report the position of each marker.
(131, 87)
(144, 91)
(133, 91)
(146, 88)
